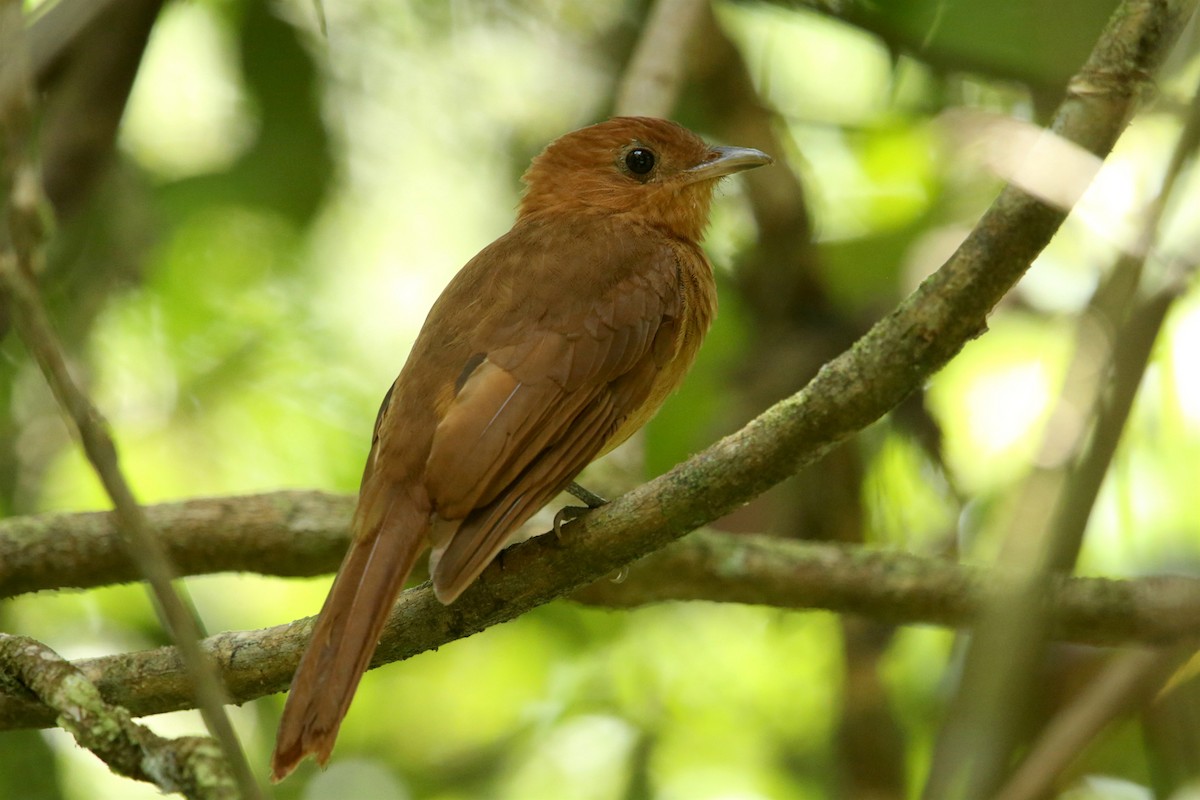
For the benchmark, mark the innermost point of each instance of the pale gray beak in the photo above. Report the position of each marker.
(726, 161)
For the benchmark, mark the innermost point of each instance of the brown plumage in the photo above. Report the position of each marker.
(548, 349)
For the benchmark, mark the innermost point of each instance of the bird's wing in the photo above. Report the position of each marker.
(538, 407)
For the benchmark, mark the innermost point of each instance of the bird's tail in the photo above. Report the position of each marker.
(372, 574)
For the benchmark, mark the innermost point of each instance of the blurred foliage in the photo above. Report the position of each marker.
(289, 193)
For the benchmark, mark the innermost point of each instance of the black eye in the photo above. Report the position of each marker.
(639, 160)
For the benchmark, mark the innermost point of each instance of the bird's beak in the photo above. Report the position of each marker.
(726, 161)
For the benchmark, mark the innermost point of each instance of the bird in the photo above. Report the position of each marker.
(548, 349)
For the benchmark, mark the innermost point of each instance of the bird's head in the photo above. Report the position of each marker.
(653, 169)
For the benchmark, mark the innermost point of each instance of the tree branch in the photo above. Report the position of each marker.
(191, 765)
(894, 587)
(890, 586)
(893, 359)
(291, 534)
(297, 533)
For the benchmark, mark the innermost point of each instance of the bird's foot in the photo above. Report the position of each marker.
(589, 498)
(565, 515)
(568, 513)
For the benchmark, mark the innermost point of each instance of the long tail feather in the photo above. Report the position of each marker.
(347, 632)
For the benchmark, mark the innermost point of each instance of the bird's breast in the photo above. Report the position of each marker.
(698, 307)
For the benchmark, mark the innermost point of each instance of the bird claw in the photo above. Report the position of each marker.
(567, 514)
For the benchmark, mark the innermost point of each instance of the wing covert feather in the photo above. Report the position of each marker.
(487, 529)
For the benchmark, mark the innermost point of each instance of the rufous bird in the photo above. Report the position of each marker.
(547, 350)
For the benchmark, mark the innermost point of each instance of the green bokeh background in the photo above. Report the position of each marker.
(286, 204)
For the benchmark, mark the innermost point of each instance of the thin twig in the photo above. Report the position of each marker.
(981, 730)
(1046, 527)
(19, 252)
(1132, 677)
(1127, 681)
(142, 544)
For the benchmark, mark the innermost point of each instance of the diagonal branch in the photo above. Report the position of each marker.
(20, 253)
(892, 360)
(1002, 663)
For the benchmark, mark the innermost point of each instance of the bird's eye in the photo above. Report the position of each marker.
(639, 160)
